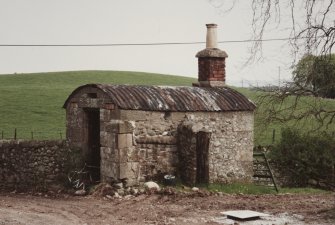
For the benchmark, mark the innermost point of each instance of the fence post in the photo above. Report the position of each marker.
(273, 135)
(32, 135)
(15, 134)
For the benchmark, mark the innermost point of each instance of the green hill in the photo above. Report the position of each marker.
(32, 103)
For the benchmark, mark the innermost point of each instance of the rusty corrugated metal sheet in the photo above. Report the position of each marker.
(182, 99)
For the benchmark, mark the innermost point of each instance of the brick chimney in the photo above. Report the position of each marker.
(211, 61)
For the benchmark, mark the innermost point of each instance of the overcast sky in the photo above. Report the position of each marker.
(133, 21)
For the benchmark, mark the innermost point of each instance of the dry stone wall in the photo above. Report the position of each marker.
(33, 164)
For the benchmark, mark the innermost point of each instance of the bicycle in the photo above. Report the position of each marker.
(79, 179)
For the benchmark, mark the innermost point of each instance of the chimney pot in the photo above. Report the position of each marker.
(211, 37)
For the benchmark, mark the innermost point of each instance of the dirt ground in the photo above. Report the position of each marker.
(163, 209)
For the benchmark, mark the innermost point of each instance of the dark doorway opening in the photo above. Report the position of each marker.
(93, 158)
(202, 149)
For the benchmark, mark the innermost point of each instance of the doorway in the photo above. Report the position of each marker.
(92, 158)
(202, 149)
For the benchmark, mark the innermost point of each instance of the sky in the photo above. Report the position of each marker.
(133, 21)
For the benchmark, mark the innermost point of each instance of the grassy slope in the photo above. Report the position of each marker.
(264, 132)
(33, 102)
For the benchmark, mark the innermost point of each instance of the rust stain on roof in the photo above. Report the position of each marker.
(166, 98)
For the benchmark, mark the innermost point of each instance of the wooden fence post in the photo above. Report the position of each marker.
(273, 136)
(15, 134)
(32, 135)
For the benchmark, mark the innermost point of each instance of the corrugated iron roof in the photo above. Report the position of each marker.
(165, 98)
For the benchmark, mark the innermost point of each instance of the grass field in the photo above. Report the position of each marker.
(32, 103)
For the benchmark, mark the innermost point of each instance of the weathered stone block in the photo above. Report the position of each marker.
(133, 115)
(124, 140)
(109, 154)
(115, 114)
(156, 116)
(177, 116)
(105, 115)
(127, 127)
(128, 155)
(107, 139)
(129, 170)
(90, 103)
(156, 139)
(113, 126)
(109, 170)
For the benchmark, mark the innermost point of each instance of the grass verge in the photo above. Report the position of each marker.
(238, 188)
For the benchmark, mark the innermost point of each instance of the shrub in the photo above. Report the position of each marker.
(305, 158)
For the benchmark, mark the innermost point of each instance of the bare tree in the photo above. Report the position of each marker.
(311, 26)
(314, 35)
(312, 23)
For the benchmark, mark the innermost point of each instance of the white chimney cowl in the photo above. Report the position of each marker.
(211, 37)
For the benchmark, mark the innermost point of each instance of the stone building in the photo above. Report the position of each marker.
(201, 134)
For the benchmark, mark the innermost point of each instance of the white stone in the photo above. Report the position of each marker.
(151, 185)
(134, 191)
(217, 144)
(120, 192)
(109, 197)
(128, 196)
(195, 189)
(118, 185)
(80, 192)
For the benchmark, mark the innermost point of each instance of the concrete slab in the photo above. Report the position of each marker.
(243, 214)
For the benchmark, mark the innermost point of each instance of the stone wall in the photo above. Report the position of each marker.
(33, 164)
(139, 145)
(230, 147)
(231, 144)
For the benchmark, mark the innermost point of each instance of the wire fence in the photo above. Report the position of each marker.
(272, 136)
(16, 133)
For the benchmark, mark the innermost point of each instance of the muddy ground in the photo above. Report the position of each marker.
(163, 209)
